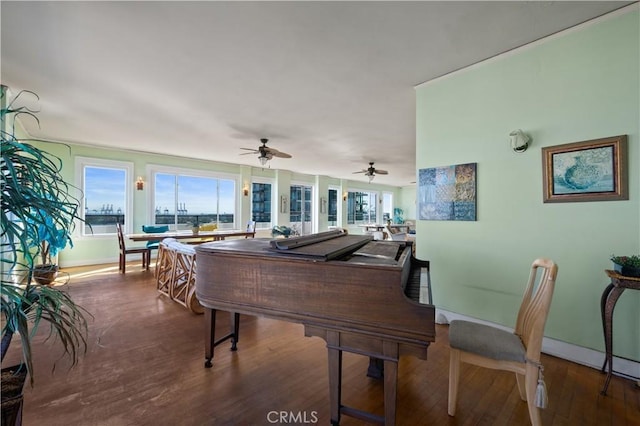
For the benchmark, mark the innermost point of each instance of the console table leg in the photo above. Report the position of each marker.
(609, 306)
(603, 304)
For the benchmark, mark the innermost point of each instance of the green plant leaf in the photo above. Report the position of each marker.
(39, 214)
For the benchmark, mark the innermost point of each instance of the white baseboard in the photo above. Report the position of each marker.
(578, 354)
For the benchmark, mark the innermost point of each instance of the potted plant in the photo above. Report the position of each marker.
(36, 202)
(627, 265)
(398, 215)
(195, 226)
(51, 239)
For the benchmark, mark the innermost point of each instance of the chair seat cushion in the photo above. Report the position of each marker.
(486, 341)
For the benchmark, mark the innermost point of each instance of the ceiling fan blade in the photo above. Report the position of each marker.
(265, 152)
(249, 153)
(275, 153)
(361, 171)
(381, 172)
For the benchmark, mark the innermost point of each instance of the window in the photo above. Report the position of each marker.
(184, 198)
(387, 206)
(361, 207)
(300, 208)
(333, 207)
(107, 197)
(261, 204)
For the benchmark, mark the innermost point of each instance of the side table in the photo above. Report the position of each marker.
(608, 301)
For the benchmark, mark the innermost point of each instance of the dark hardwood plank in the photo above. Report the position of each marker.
(145, 361)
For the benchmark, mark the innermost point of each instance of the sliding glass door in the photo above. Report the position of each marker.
(300, 212)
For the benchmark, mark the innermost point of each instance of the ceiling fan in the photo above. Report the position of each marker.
(371, 171)
(266, 153)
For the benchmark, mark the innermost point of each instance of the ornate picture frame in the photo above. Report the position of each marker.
(593, 170)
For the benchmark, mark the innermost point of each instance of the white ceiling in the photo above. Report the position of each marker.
(331, 83)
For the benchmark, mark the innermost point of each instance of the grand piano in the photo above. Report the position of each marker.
(362, 296)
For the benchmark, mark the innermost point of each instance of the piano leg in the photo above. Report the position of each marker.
(376, 368)
(387, 355)
(235, 330)
(390, 382)
(335, 375)
(210, 335)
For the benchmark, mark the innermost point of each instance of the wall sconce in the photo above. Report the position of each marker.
(245, 190)
(344, 196)
(139, 184)
(519, 141)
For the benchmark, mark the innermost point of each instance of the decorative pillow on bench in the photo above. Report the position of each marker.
(154, 229)
(208, 227)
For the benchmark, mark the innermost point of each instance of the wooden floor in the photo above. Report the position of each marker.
(144, 366)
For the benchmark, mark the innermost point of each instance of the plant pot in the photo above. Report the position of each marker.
(13, 379)
(45, 274)
(627, 271)
(195, 230)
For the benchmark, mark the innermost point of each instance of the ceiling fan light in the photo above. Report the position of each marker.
(371, 176)
(263, 160)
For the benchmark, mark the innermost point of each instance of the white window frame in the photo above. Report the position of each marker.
(339, 205)
(152, 169)
(378, 208)
(274, 201)
(314, 215)
(390, 194)
(127, 166)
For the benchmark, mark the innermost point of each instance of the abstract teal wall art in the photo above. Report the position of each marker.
(447, 193)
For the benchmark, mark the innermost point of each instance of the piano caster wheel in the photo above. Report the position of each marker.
(208, 364)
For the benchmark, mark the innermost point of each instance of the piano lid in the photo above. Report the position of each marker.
(321, 246)
(324, 246)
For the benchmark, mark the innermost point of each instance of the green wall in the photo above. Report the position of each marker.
(408, 202)
(576, 86)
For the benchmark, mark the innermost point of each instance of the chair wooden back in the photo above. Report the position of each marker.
(120, 237)
(535, 305)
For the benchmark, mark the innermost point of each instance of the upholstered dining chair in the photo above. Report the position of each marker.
(124, 251)
(518, 352)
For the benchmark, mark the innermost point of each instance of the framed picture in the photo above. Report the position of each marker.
(594, 170)
(447, 193)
